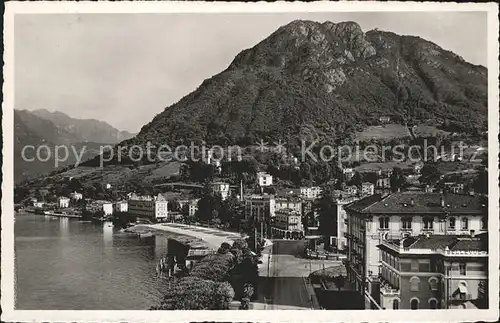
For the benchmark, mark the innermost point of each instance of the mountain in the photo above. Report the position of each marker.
(24, 136)
(326, 80)
(84, 129)
(32, 130)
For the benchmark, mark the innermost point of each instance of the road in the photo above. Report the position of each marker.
(282, 273)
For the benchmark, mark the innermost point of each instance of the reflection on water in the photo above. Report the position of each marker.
(107, 231)
(64, 225)
(66, 264)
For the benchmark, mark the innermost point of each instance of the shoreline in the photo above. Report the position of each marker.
(212, 238)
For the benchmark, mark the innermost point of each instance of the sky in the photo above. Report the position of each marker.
(126, 68)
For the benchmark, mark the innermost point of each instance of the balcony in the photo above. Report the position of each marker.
(386, 288)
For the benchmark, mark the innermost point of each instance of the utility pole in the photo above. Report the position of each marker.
(255, 238)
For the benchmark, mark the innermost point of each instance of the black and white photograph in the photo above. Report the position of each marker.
(238, 161)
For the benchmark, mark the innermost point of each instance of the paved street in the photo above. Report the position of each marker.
(282, 273)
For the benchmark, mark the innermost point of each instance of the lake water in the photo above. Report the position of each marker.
(65, 264)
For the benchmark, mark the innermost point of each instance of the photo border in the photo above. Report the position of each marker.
(7, 234)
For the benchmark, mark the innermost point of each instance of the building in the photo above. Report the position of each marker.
(264, 179)
(288, 203)
(63, 202)
(193, 207)
(351, 190)
(100, 206)
(38, 204)
(311, 220)
(400, 215)
(76, 196)
(384, 119)
(155, 208)
(121, 206)
(107, 208)
(367, 188)
(457, 188)
(288, 225)
(384, 183)
(339, 239)
(433, 272)
(220, 188)
(313, 192)
(348, 173)
(260, 207)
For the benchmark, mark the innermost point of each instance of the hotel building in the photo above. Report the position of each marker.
(396, 216)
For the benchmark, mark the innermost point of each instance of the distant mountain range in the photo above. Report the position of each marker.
(42, 127)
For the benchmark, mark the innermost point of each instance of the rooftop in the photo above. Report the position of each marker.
(411, 202)
(443, 242)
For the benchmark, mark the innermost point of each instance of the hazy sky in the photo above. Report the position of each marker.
(126, 68)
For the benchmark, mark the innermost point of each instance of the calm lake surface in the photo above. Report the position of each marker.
(66, 264)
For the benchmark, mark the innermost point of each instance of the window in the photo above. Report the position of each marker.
(406, 221)
(414, 304)
(465, 224)
(484, 223)
(433, 283)
(428, 223)
(395, 304)
(433, 304)
(463, 268)
(414, 265)
(451, 225)
(414, 282)
(383, 222)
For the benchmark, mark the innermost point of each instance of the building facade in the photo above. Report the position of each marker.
(367, 188)
(121, 206)
(313, 192)
(433, 272)
(63, 202)
(154, 208)
(264, 179)
(288, 225)
(220, 188)
(260, 207)
(288, 203)
(76, 196)
(404, 214)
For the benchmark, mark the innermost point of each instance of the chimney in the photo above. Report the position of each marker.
(442, 201)
(412, 202)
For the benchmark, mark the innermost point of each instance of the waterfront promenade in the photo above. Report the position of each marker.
(212, 237)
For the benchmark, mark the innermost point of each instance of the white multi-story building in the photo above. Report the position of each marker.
(107, 208)
(367, 188)
(399, 215)
(155, 208)
(313, 192)
(38, 204)
(221, 189)
(76, 196)
(260, 207)
(288, 225)
(121, 206)
(288, 203)
(264, 179)
(63, 202)
(192, 207)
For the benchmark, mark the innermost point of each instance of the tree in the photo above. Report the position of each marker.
(356, 180)
(430, 174)
(326, 208)
(397, 179)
